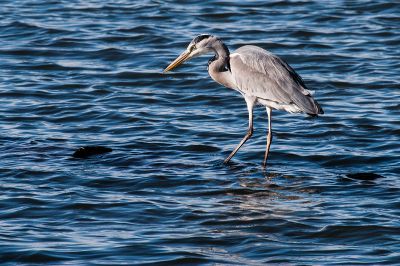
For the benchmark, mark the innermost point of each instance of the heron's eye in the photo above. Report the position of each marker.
(192, 48)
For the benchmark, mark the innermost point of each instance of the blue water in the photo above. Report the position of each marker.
(84, 73)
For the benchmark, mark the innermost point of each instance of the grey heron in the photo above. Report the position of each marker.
(260, 76)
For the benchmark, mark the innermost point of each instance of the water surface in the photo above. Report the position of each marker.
(77, 73)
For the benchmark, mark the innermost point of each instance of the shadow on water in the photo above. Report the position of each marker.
(251, 180)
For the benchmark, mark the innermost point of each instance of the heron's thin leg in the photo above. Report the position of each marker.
(250, 104)
(269, 136)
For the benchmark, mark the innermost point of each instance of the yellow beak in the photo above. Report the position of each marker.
(182, 58)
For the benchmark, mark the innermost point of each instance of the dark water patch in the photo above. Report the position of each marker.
(35, 257)
(364, 176)
(201, 148)
(69, 42)
(350, 234)
(87, 151)
(225, 16)
(19, 26)
(31, 52)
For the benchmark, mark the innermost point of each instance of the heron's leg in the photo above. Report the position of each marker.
(250, 104)
(269, 136)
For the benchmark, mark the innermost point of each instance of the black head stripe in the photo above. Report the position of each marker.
(201, 37)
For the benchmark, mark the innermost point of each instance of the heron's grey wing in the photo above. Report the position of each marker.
(259, 73)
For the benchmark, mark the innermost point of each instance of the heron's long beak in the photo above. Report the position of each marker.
(182, 58)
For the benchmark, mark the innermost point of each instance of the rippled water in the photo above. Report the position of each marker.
(77, 73)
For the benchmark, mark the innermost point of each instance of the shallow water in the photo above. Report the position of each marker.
(77, 73)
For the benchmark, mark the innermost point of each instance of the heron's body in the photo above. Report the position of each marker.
(260, 76)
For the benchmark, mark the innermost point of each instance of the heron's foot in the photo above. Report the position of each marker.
(227, 160)
(264, 164)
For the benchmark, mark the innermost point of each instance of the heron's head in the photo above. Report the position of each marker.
(200, 45)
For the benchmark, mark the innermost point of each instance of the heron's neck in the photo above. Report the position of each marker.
(219, 67)
(220, 61)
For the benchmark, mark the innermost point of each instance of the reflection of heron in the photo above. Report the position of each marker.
(258, 75)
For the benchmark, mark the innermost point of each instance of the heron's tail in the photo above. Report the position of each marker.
(318, 109)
